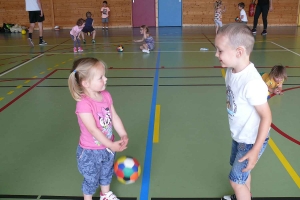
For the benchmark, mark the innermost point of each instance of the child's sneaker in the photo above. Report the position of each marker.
(84, 41)
(93, 41)
(146, 51)
(75, 50)
(264, 32)
(43, 42)
(254, 31)
(231, 197)
(108, 196)
(30, 42)
(80, 49)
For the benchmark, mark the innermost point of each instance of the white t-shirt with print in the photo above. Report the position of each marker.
(32, 5)
(244, 90)
(242, 12)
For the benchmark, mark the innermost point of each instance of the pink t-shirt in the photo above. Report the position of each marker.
(105, 11)
(75, 31)
(102, 115)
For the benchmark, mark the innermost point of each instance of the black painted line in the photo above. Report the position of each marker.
(7, 196)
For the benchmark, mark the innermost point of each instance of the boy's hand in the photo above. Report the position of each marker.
(125, 139)
(252, 157)
(118, 146)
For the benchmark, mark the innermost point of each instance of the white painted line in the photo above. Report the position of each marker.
(18, 66)
(286, 49)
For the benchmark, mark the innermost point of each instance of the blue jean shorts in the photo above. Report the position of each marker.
(105, 20)
(238, 150)
(96, 166)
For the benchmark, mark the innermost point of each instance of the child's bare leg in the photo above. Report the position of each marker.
(82, 35)
(87, 197)
(103, 24)
(145, 46)
(94, 34)
(217, 28)
(242, 192)
(141, 47)
(105, 188)
(248, 182)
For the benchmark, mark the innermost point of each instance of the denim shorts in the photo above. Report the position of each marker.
(238, 150)
(96, 166)
(105, 20)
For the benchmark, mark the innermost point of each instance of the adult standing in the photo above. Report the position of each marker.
(263, 6)
(36, 15)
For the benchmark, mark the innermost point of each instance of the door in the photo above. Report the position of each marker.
(143, 13)
(169, 13)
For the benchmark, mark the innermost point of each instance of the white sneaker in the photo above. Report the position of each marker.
(109, 196)
(229, 197)
(146, 51)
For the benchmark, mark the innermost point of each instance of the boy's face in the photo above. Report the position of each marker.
(226, 53)
(104, 4)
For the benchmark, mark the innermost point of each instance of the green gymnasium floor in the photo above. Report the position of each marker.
(190, 155)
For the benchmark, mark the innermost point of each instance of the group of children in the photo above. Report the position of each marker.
(220, 8)
(248, 111)
(86, 27)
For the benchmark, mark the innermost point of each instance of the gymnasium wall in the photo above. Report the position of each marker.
(194, 12)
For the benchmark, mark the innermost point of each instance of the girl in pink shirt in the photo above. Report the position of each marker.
(75, 33)
(96, 117)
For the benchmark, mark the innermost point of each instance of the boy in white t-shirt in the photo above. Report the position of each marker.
(36, 15)
(248, 111)
(105, 10)
(243, 15)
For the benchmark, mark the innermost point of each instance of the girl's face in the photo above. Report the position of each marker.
(98, 81)
(142, 30)
(278, 79)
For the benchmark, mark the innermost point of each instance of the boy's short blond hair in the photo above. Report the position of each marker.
(238, 34)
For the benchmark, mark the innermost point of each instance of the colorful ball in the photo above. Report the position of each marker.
(237, 19)
(88, 33)
(127, 169)
(23, 32)
(120, 48)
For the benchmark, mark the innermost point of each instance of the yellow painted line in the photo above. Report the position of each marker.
(34, 77)
(49, 68)
(10, 92)
(19, 86)
(156, 124)
(42, 72)
(71, 59)
(56, 65)
(27, 81)
(285, 162)
(223, 72)
(1, 98)
(63, 62)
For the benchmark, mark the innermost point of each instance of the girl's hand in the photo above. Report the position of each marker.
(118, 146)
(124, 138)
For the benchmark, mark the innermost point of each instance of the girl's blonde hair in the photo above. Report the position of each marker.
(82, 70)
(278, 71)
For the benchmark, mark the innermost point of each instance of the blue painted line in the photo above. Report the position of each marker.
(148, 154)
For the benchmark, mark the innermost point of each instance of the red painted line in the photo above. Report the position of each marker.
(280, 131)
(26, 91)
(284, 134)
(19, 79)
(261, 67)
